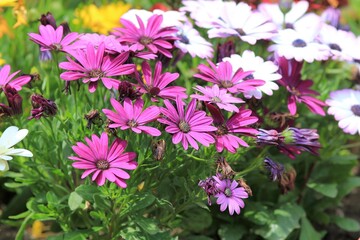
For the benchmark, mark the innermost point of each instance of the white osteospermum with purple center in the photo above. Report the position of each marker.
(341, 43)
(262, 70)
(239, 20)
(191, 42)
(300, 46)
(345, 106)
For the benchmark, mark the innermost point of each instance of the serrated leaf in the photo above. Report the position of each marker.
(329, 189)
(308, 232)
(75, 200)
(348, 224)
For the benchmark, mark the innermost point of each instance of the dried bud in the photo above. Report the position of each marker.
(158, 149)
(275, 169)
(126, 90)
(110, 131)
(243, 184)
(42, 107)
(48, 19)
(287, 181)
(66, 28)
(93, 118)
(14, 101)
(87, 206)
(224, 168)
(225, 50)
(209, 186)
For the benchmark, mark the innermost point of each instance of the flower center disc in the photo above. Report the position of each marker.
(299, 43)
(216, 100)
(184, 39)
(221, 130)
(334, 46)
(184, 126)
(226, 84)
(96, 74)
(144, 40)
(154, 91)
(240, 31)
(356, 109)
(132, 123)
(228, 192)
(56, 46)
(102, 165)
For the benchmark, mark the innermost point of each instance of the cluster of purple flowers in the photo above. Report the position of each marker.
(150, 39)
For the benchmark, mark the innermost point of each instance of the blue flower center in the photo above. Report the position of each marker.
(356, 109)
(299, 43)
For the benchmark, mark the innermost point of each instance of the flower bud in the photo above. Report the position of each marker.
(158, 149)
(42, 107)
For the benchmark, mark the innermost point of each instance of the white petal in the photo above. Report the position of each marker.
(11, 136)
(4, 166)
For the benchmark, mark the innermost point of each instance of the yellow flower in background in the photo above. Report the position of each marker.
(20, 13)
(101, 19)
(7, 3)
(2, 61)
(4, 27)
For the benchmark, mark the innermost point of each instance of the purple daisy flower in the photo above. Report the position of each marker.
(236, 124)
(223, 75)
(102, 161)
(51, 39)
(187, 126)
(299, 89)
(94, 65)
(131, 116)
(156, 85)
(230, 195)
(6, 79)
(152, 36)
(217, 96)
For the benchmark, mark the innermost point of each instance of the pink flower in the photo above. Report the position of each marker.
(299, 89)
(102, 161)
(236, 124)
(157, 85)
(223, 76)
(94, 65)
(131, 116)
(153, 36)
(187, 126)
(230, 195)
(217, 96)
(51, 39)
(16, 83)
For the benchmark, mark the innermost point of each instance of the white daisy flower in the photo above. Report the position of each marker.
(345, 106)
(11, 136)
(191, 42)
(263, 70)
(341, 43)
(284, 20)
(239, 20)
(299, 45)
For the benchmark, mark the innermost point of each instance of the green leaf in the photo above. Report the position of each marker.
(100, 202)
(348, 224)
(231, 232)
(75, 200)
(308, 232)
(87, 192)
(21, 215)
(286, 219)
(142, 201)
(148, 225)
(69, 236)
(329, 190)
(197, 219)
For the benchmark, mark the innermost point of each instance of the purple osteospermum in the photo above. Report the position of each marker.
(223, 75)
(51, 39)
(93, 65)
(345, 106)
(153, 37)
(302, 138)
(16, 83)
(131, 116)
(237, 123)
(275, 169)
(187, 126)
(156, 85)
(209, 186)
(102, 161)
(230, 195)
(217, 96)
(299, 89)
